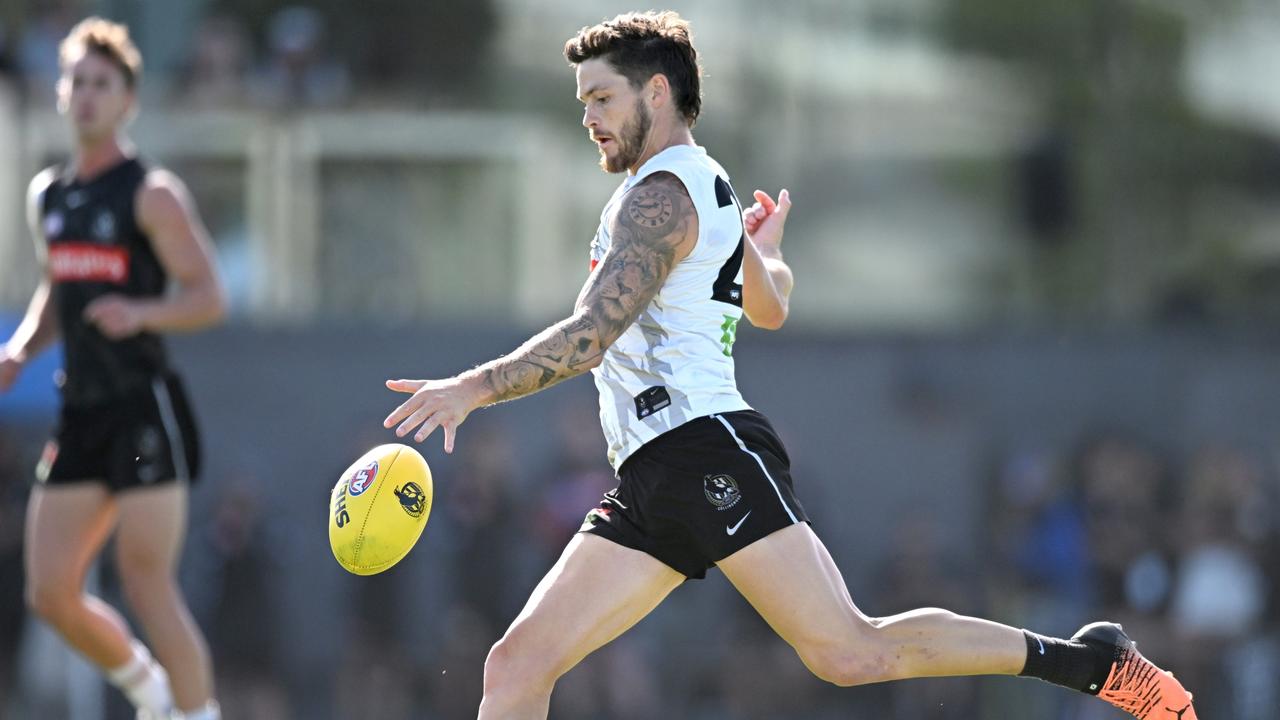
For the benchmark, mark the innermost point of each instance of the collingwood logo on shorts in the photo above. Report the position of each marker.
(721, 491)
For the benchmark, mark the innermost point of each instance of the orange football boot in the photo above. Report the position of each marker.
(1135, 684)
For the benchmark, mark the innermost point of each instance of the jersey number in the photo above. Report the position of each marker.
(727, 289)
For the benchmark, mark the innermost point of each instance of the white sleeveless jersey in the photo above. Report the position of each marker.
(674, 364)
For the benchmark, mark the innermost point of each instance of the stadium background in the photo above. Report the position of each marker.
(1029, 371)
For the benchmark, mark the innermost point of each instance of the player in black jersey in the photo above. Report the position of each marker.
(114, 235)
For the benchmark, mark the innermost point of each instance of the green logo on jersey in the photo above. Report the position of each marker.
(730, 328)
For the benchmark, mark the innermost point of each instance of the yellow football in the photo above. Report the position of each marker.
(379, 508)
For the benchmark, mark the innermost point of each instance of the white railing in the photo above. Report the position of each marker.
(282, 159)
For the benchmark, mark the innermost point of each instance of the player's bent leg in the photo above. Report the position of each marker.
(67, 526)
(596, 591)
(793, 583)
(152, 527)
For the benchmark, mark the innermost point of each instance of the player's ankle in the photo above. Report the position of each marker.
(143, 681)
(207, 711)
(1069, 663)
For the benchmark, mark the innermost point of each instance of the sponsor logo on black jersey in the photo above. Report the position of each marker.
(87, 262)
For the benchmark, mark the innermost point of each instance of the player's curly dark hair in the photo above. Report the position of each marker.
(108, 39)
(641, 45)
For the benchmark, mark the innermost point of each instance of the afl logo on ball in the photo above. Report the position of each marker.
(412, 499)
(363, 479)
(721, 491)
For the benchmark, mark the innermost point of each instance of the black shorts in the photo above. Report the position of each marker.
(143, 439)
(699, 493)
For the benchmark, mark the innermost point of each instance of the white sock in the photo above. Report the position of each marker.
(144, 682)
(209, 711)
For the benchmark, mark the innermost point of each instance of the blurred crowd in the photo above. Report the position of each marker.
(225, 69)
(275, 56)
(1174, 545)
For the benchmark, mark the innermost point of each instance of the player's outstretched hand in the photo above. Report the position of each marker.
(435, 404)
(764, 220)
(10, 367)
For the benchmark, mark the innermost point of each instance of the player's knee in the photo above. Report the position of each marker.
(857, 659)
(513, 667)
(50, 600)
(847, 667)
(145, 584)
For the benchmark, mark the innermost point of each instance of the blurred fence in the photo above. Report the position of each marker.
(903, 221)
(368, 214)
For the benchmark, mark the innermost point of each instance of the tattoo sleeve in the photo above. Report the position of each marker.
(650, 233)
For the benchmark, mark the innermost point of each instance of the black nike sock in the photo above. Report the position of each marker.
(1069, 663)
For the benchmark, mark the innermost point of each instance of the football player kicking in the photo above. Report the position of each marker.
(703, 478)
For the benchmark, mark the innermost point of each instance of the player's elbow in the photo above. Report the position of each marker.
(590, 362)
(204, 305)
(215, 305)
(772, 319)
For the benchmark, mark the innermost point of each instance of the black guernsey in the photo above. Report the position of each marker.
(96, 248)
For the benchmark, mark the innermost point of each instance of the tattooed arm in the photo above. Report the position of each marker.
(655, 227)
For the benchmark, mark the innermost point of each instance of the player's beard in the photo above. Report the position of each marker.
(630, 141)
